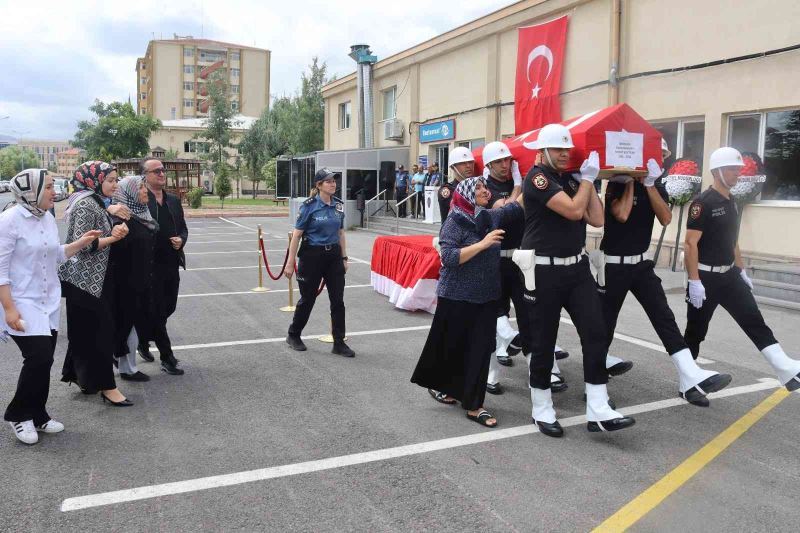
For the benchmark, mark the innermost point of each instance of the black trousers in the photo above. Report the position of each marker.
(512, 288)
(571, 288)
(33, 386)
(399, 196)
(166, 282)
(731, 292)
(315, 263)
(640, 280)
(419, 204)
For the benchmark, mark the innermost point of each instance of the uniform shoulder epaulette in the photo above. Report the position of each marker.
(337, 199)
(310, 200)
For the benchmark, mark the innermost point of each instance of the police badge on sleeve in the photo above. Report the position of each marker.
(696, 210)
(444, 192)
(540, 182)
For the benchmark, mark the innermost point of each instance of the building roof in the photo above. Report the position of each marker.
(209, 42)
(73, 151)
(241, 122)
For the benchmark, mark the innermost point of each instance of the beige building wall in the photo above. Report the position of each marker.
(46, 150)
(474, 66)
(167, 86)
(254, 82)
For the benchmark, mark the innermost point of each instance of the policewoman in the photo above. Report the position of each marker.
(716, 271)
(632, 205)
(552, 258)
(462, 165)
(322, 255)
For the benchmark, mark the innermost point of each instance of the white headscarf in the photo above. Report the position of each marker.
(28, 189)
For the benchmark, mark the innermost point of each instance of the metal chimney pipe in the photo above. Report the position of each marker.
(362, 55)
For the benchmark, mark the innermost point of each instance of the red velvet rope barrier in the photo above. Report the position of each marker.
(283, 268)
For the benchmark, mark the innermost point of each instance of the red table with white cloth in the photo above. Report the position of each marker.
(406, 269)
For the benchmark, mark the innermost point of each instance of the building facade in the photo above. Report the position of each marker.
(171, 77)
(46, 150)
(700, 88)
(68, 160)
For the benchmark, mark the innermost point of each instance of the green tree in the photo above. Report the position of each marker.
(14, 160)
(263, 141)
(171, 154)
(115, 132)
(220, 121)
(311, 110)
(222, 184)
(270, 173)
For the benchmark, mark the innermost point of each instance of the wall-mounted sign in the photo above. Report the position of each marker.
(423, 160)
(437, 131)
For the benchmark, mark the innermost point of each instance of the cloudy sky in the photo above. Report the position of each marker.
(57, 57)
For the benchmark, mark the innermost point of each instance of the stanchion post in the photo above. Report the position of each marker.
(260, 287)
(290, 308)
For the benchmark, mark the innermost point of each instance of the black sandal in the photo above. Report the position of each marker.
(441, 397)
(482, 418)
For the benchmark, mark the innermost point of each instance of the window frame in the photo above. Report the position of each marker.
(677, 151)
(384, 93)
(188, 101)
(188, 69)
(342, 107)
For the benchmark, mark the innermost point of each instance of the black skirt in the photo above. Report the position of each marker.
(455, 359)
(90, 330)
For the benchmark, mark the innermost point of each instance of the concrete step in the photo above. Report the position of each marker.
(783, 304)
(374, 230)
(781, 272)
(406, 226)
(777, 290)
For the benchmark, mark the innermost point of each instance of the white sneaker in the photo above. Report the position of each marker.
(51, 426)
(25, 431)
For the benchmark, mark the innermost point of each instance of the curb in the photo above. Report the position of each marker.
(235, 215)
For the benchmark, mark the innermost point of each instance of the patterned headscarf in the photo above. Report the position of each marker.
(128, 195)
(28, 189)
(464, 197)
(88, 180)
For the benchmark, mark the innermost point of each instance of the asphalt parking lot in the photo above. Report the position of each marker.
(257, 437)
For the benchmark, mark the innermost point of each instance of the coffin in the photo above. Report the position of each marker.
(624, 140)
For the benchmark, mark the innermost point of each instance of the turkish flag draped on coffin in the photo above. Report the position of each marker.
(540, 53)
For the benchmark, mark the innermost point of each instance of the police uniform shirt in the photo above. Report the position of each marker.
(633, 236)
(501, 190)
(321, 222)
(546, 231)
(445, 197)
(715, 216)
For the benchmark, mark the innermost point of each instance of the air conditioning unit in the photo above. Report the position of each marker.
(393, 130)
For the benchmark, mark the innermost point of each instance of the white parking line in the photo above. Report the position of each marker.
(271, 291)
(275, 472)
(237, 234)
(237, 224)
(236, 252)
(191, 242)
(201, 269)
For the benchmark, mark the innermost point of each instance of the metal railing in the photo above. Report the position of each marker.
(366, 206)
(397, 209)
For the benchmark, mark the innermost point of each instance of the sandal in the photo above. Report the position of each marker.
(483, 418)
(441, 397)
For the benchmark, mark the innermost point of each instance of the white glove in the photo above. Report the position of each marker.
(746, 279)
(486, 173)
(620, 178)
(591, 167)
(515, 174)
(653, 173)
(697, 293)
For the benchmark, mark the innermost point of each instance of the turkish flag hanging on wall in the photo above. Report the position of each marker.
(540, 52)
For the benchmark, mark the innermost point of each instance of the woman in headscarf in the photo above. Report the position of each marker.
(132, 265)
(31, 296)
(455, 359)
(88, 284)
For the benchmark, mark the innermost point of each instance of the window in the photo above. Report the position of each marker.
(187, 102)
(234, 72)
(234, 56)
(389, 103)
(188, 86)
(344, 116)
(188, 52)
(212, 57)
(144, 81)
(235, 89)
(188, 69)
(144, 96)
(472, 144)
(235, 106)
(195, 147)
(775, 137)
(685, 138)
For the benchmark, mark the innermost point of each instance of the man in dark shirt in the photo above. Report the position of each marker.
(716, 270)
(557, 276)
(630, 211)
(168, 256)
(401, 190)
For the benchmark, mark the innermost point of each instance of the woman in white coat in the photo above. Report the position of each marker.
(30, 294)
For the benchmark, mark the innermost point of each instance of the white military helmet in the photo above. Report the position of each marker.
(494, 151)
(665, 147)
(725, 157)
(460, 155)
(554, 136)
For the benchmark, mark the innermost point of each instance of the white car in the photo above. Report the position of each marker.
(5, 185)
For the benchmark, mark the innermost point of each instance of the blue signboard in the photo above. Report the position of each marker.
(437, 131)
(423, 160)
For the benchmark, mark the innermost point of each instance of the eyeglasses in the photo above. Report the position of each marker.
(157, 170)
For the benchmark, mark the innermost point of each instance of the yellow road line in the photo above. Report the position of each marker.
(653, 496)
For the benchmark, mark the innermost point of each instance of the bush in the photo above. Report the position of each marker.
(195, 197)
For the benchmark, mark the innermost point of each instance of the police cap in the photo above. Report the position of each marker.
(324, 173)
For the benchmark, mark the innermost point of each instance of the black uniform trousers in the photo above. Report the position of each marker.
(419, 204)
(641, 280)
(512, 288)
(166, 283)
(33, 386)
(399, 196)
(731, 292)
(316, 263)
(572, 288)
